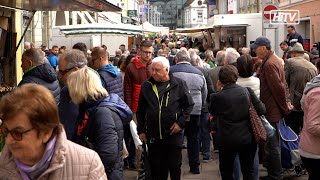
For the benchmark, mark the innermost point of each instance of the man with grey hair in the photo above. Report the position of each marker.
(198, 89)
(36, 71)
(69, 62)
(27, 45)
(220, 61)
(118, 53)
(231, 56)
(245, 51)
(161, 125)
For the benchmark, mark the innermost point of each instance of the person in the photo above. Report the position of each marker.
(82, 47)
(27, 45)
(69, 62)
(172, 56)
(274, 94)
(224, 105)
(53, 56)
(100, 120)
(293, 36)
(118, 53)
(36, 71)
(220, 60)
(309, 148)
(231, 56)
(314, 56)
(122, 47)
(36, 145)
(286, 49)
(209, 58)
(160, 124)
(298, 72)
(245, 51)
(198, 89)
(45, 50)
(110, 75)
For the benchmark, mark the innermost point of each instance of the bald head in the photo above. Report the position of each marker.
(99, 58)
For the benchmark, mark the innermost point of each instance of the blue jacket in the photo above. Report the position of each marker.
(43, 75)
(53, 60)
(111, 79)
(293, 38)
(104, 130)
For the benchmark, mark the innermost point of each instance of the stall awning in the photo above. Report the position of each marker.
(192, 30)
(60, 5)
(101, 28)
(232, 25)
(149, 28)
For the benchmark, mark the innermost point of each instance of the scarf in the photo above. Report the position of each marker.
(33, 172)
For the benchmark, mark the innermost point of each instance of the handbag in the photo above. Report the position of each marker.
(259, 131)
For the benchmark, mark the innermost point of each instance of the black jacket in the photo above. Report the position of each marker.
(156, 115)
(231, 109)
(44, 75)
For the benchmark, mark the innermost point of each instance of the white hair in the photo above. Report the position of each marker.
(245, 50)
(231, 55)
(164, 61)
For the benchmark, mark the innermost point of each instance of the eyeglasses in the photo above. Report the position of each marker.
(16, 134)
(63, 72)
(146, 52)
(94, 59)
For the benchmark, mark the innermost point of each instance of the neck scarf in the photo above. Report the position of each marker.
(33, 172)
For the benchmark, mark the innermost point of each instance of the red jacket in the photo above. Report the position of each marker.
(136, 73)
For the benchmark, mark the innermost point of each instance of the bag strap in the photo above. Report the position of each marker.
(248, 95)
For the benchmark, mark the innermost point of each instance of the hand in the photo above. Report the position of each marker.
(142, 137)
(290, 106)
(219, 86)
(175, 128)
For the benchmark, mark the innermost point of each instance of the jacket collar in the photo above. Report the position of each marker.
(230, 86)
(172, 80)
(138, 63)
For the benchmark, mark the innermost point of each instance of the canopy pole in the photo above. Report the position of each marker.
(25, 30)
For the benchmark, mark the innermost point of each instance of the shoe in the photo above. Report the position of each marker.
(195, 171)
(206, 160)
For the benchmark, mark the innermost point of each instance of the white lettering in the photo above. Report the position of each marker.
(284, 16)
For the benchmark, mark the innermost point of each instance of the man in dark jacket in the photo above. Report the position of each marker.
(165, 104)
(36, 71)
(110, 75)
(293, 36)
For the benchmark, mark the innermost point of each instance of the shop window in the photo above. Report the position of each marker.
(200, 16)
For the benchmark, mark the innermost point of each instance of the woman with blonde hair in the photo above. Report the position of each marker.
(101, 119)
(36, 143)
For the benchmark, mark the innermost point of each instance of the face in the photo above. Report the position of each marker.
(64, 70)
(284, 47)
(55, 50)
(27, 46)
(159, 73)
(261, 51)
(290, 31)
(95, 62)
(29, 150)
(146, 53)
(25, 63)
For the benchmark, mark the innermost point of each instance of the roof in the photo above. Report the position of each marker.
(187, 3)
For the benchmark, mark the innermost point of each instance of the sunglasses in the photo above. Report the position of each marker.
(16, 134)
(63, 72)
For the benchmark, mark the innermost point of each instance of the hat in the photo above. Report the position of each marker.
(261, 41)
(314, 52)
(297, 47)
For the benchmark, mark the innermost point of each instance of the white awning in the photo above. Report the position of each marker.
(149, 28)
(192, 30)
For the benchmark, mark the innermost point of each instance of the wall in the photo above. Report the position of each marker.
(192, 11)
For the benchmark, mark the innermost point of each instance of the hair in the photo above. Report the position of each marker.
(228, 74)
(292, 27)
(81, 46)
(245, 66)
(318, 65)
(220, 58)
(231, 55)
(146, 44)
(99, 52)
(174, 51)
(164, 61)
(157, 41)
(183, 55)
(36, 102)
(257, 65)
(35, 55)
(126, 62)
(208, 53)
(118, 51)
(74, 58)
(54, 46)
(85, 85)
(63, 47)
(245, 50)
(193, 57)
(284, 43)
(122, 59)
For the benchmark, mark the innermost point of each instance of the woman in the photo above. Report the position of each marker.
(234, 129)
(100, 121)
(310, 135)
(36, 144)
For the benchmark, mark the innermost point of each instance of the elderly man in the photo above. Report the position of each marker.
(298, 72)
(160, 124)
(36, 71)
(118, 53)
(314, 56)
(27, 45)
(198, 89)
(274, 95)
(69, 62)
(231, 56)
(220, 60)
(110, 75)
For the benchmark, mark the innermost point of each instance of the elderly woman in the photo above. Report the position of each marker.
(36, 144)
(101, 119)
(235, 136)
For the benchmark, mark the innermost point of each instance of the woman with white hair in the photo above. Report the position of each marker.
(100, 121)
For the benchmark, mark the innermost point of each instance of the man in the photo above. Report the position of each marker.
(273, 94)
(220, 60)
(118, 53)
(82, 47)
(53, 56)
(160, 124)
(285, 48)
(198, 89)
(69, 62)
(45, 50)
(27, 45)
(231, 56)
(209, 58)
(36, 71)
(122, 47)
(298, 72)
(314, 56)
(110, 75)
(293, 36)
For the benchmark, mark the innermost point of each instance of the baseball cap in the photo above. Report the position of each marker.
(314, 52)
(261, 41)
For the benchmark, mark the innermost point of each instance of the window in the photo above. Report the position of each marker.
(200, 16)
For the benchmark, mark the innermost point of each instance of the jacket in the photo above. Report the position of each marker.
(273, 88)
(111, 79)
(136, 73)
(293, 38)
(234, 128)
(69, 161)
(251, 82)
(195, 82)
(214, 72)
(44, 75)
(53, 60)
(298, 72)
(209, 85)
(310, 134)
(157, 113)
(102, 127)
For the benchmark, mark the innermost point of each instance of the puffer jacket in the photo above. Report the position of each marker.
(111, 79)
(136, 73)
(102, 127)
(44, 75)
(69, 161)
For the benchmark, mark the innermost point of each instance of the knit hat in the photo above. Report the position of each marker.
(297, 48)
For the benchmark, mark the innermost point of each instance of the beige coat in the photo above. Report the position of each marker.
(69, 161)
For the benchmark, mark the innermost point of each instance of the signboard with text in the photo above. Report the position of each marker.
(132, 13)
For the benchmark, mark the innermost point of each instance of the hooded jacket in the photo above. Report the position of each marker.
(44, 75)
(111, 79)
(104, 130)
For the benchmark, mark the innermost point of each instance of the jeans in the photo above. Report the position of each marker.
(130, 160)
(205, 135)
(193, 146)
(237, 167)
(312, 166)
